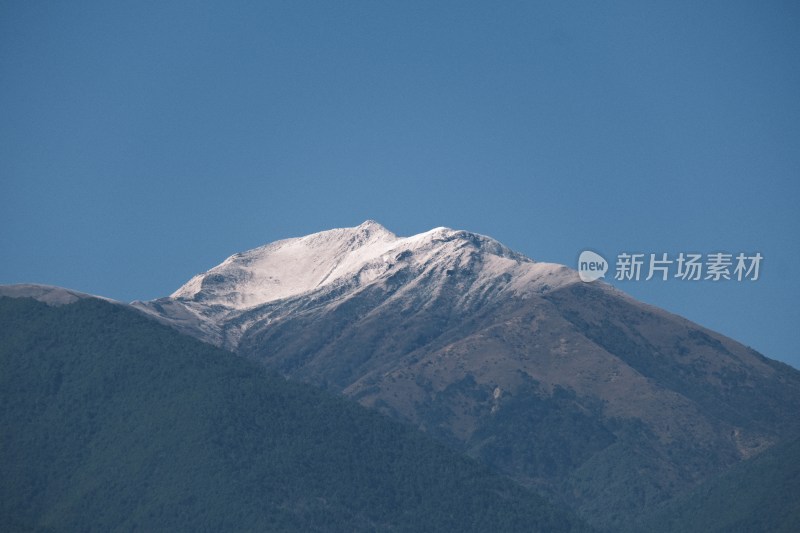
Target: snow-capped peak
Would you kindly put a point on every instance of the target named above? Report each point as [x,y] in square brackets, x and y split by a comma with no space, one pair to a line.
[371,226]
[292,267]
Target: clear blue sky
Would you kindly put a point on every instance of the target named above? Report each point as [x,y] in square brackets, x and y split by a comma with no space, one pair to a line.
[143,142]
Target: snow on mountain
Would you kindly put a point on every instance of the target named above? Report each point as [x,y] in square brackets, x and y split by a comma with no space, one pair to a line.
[325,268]
[289,267]
[364,254]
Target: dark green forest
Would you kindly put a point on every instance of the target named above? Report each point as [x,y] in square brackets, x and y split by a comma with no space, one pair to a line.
[762,494]
[112,422]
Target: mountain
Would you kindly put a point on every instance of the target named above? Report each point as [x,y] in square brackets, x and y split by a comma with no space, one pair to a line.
[289,276]
[110,421]
[603,403]
[761,494]
[47,293]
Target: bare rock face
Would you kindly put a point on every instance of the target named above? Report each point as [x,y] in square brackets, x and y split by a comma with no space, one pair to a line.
[607,404]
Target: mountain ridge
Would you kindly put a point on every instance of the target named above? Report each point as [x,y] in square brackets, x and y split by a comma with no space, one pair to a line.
[49,294]
[323,258]
[328,265]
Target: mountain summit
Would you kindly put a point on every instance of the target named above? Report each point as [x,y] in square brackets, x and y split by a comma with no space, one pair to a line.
[352,257]
[290,267]
[332,265]
[606,404]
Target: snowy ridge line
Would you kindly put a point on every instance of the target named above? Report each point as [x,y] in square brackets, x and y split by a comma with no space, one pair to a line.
[292,267]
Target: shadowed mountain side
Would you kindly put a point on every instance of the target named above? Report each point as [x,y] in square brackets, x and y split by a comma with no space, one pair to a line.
[110,421]
[758,495]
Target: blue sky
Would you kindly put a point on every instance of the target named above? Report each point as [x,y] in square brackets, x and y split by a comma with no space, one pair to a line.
[143,142]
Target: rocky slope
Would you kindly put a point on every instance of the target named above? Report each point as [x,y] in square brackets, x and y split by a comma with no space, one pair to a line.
[607,404]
